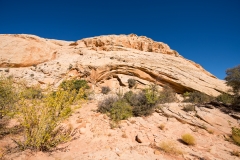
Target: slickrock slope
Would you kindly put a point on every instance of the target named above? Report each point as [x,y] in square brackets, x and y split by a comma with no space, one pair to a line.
[26,50]
[104,60]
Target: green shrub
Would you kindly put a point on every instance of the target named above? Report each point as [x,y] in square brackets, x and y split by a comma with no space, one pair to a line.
[40,123]
[186,94]
[151,95]
[236,135]
[8,96]
[143,110]
[135,99]
[59,101]
[198,97]
[106,105]
[188,139]
[167,95]
[105,90]
[131,82]
[40,119]
[225,98]
[120,110]
[141,102]
[77,87]
[189,108]
[74,85]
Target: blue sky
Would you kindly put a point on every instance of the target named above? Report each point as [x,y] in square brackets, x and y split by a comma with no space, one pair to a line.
[205,31]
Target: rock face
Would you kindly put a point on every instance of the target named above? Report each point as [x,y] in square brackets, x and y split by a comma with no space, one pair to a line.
[25,50]
[113,42]
[104,61]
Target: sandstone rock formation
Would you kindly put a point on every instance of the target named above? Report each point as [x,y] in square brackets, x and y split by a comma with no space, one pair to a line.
[26,50]
[104,60]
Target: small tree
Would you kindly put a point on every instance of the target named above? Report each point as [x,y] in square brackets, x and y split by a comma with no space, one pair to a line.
[233,79]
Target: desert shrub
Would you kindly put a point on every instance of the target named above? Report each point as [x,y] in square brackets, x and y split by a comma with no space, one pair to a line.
[188,139]
[106,105]
[167,95]
[225,98]
[236,135]
[60,102]
[135,99]
[77,87]
[186,94]
[198,97]
[8,95]
[189,108]
[143,103]
[131,82]
[169,147]
[151,95]
[74,85]
[40,119]
[32,92]
[105,90]
[143,110]
[120,110]
[40,123]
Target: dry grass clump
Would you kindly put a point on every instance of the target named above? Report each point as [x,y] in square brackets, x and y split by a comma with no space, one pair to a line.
[170,147]
[210,131]
[161,126]
[124,135]
[188,139]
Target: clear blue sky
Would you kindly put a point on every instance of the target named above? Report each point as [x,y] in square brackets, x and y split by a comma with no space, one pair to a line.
[205,31]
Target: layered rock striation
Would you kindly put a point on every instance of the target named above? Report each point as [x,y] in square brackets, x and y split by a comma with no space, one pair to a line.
[104,60]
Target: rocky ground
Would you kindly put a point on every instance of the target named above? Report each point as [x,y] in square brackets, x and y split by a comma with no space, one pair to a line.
[139,137]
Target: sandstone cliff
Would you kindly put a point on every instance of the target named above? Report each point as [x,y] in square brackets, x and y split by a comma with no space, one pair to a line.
[104,60]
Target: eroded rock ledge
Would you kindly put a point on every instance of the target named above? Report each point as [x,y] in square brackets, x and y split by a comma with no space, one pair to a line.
[113,42]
